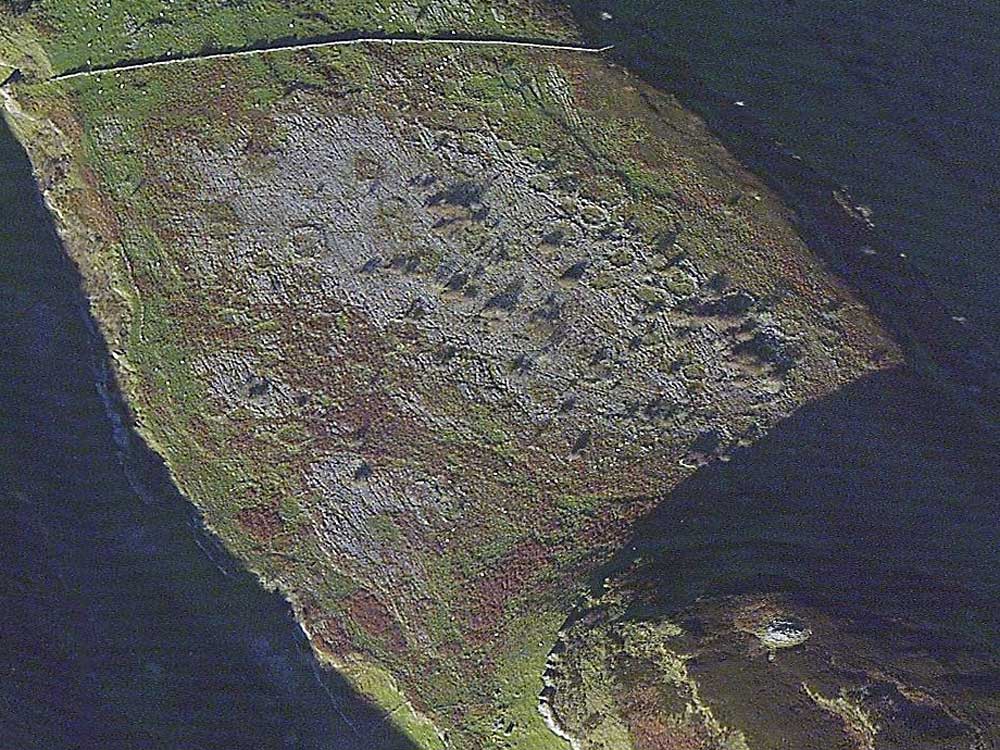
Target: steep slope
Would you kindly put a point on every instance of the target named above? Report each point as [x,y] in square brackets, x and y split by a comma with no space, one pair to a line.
[124,624]
[831,586]
[423,330]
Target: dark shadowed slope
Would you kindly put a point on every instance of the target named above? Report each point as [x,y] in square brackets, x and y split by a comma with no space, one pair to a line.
[897,103]
[122,623]
[881,498]
[831,586]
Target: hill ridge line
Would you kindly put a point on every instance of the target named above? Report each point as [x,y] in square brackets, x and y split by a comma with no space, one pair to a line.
[340,41]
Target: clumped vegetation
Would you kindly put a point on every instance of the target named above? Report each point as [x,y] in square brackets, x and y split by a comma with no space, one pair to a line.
[335,284]
[16,7]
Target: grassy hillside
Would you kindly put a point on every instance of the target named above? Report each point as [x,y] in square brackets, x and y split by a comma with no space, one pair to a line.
[98,33]
[421,330]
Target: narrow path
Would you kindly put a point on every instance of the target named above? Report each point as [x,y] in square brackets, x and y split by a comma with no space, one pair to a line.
[338,42]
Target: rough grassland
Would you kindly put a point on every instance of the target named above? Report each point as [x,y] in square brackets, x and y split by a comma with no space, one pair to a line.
[761,672]
[92,33]
[423,330]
